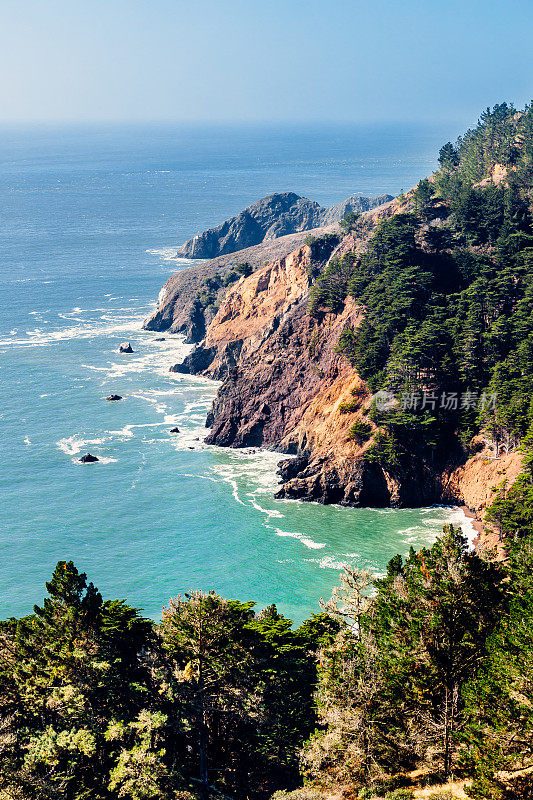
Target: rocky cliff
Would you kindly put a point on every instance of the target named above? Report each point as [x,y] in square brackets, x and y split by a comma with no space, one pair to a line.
[285,386]
[187,302]
[270,218]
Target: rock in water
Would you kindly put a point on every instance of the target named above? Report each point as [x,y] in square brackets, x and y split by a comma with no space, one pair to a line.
[88,458]
[114,397]
[160,339]
[125,347]
[174,430]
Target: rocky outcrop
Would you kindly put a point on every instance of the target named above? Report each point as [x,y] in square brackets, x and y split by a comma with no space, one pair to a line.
[125,347]
[267,219]
[270,218]
[88,458]
[354,204]
[181,306]
[112,398]
[188,301]
[284,386]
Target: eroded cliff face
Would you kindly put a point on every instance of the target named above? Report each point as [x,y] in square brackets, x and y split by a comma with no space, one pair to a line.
[285,387]
[181,306]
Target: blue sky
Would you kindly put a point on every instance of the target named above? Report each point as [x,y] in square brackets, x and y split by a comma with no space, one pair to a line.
[349,60]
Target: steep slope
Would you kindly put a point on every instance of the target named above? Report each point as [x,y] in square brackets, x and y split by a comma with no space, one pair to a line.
[428,296]
[187,301]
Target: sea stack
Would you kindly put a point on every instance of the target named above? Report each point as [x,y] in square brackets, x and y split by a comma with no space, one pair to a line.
[125,347]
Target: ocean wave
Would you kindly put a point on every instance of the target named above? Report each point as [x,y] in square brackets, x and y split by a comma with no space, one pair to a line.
[327,562]
[171,254]
[312,545]
[73,445]
[88,330]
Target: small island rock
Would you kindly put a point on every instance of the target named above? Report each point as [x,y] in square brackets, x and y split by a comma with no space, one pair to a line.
[113,397]
[174,430]
[88,458]
[125,347]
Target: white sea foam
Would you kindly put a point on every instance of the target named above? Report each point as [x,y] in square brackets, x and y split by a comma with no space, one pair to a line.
[171,254]
[73,445]
[138,474]
[303,539]
[101,460]
[329,562]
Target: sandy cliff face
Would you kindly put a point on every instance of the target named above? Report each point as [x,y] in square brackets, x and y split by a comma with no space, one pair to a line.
[252,305]
[180,308]
[284,386]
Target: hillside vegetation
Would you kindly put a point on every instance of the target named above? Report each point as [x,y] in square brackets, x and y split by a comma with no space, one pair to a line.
[447,288]
[420,678]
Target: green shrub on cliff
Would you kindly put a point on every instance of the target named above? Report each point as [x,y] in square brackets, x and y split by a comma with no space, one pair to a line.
[360,431]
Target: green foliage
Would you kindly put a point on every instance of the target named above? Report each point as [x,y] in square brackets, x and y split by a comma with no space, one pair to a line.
[97,702]
[349,221]
[330,290]
[448,156]
[230,277]
[349,406]
[360,431]
[385,451]
[321,249]
[441,796]
[448,307]
[244,269]
[422,196]
[390,693]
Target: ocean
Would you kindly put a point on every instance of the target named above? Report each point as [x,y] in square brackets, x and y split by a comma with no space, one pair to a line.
[89,219]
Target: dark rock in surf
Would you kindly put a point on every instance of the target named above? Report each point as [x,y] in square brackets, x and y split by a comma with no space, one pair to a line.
[114,397]
[88,458]
[125,347]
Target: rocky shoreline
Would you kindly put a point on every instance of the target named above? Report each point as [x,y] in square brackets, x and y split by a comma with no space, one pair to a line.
[284,386]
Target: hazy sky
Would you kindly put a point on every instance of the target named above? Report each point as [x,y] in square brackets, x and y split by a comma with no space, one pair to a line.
[362,60]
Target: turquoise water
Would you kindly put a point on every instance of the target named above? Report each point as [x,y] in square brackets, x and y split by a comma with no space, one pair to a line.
[88,217]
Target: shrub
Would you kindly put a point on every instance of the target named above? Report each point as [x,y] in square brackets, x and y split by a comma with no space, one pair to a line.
[367,793]
[400,794]
[244,269]
[360,392]
[349,407]
[360,431]
[230,277]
